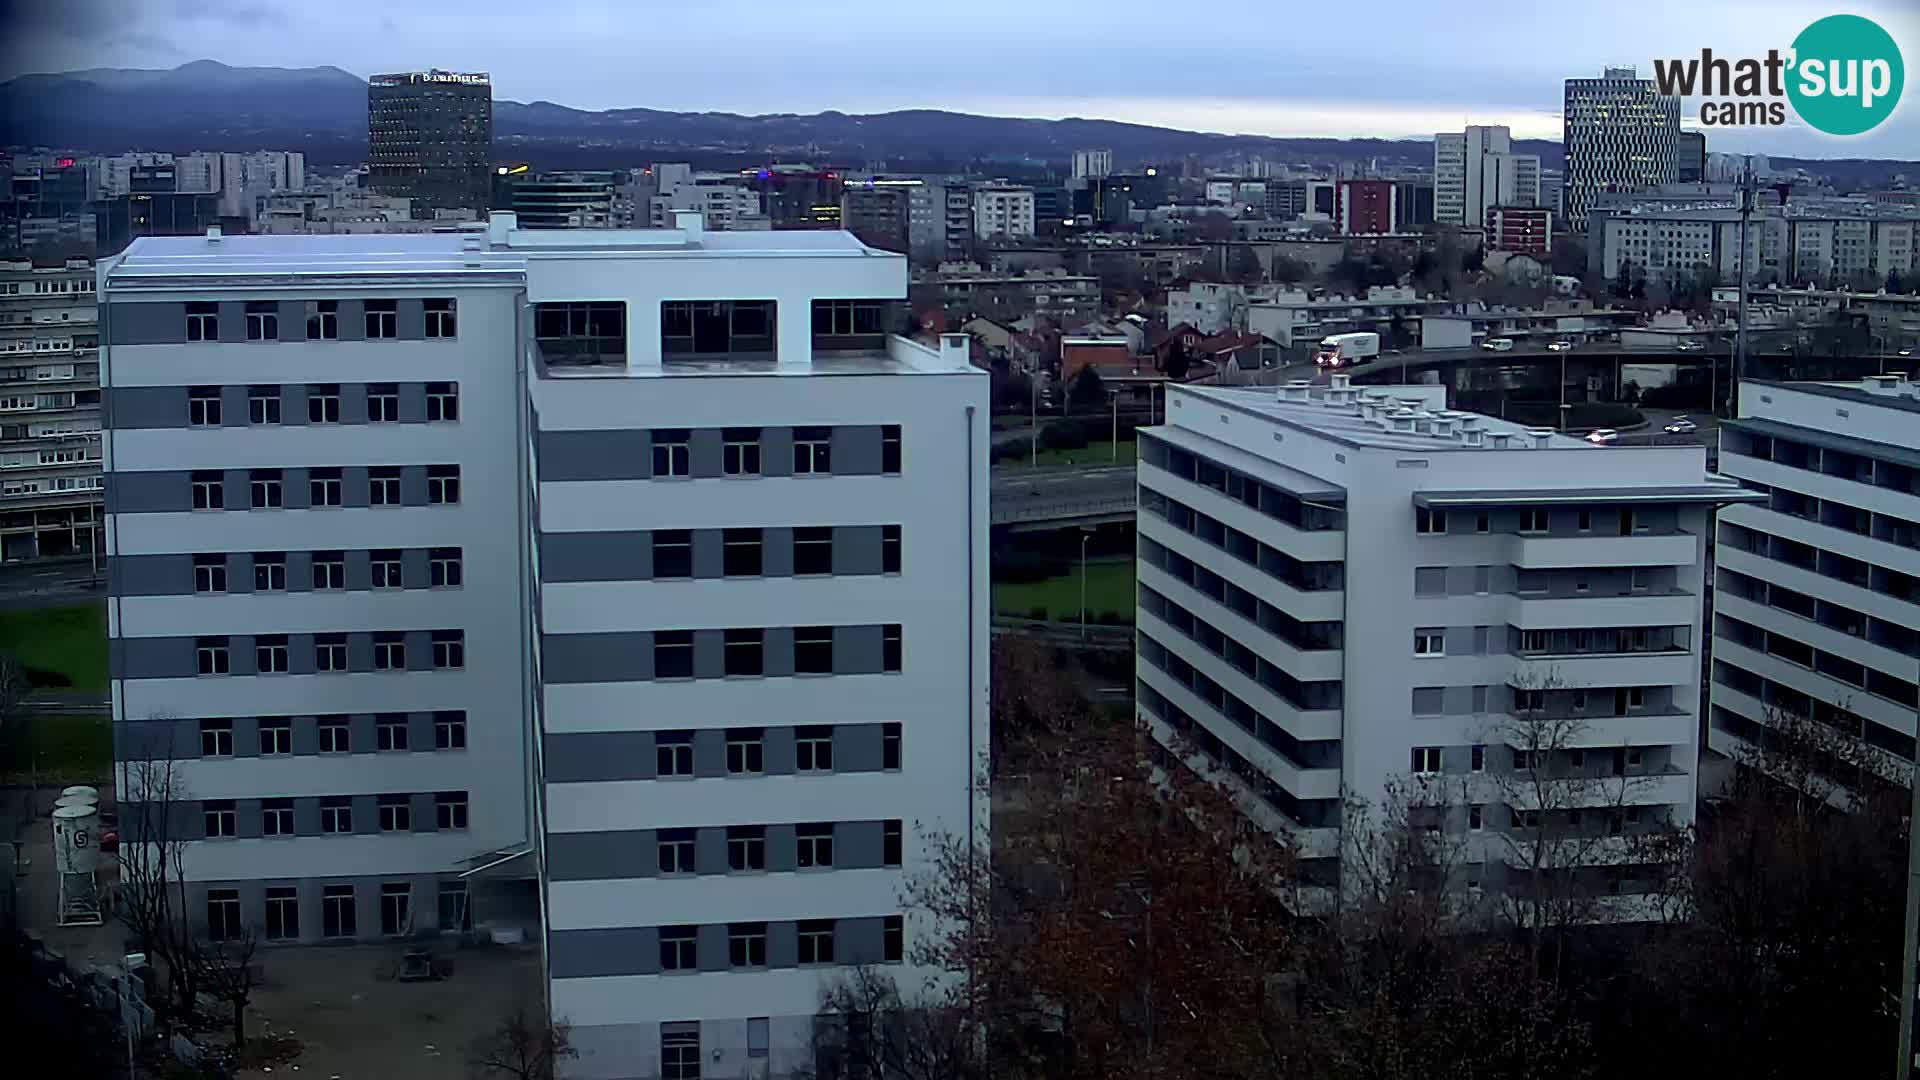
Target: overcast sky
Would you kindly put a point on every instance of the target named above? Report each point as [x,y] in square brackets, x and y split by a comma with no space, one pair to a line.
[1377,67]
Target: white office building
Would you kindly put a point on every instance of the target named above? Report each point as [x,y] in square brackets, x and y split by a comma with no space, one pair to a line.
[49,410]
[1621,134]
[1477,169]
[1340,590]
[1092,164]
[1002,212]
[628,588]
[1817,589]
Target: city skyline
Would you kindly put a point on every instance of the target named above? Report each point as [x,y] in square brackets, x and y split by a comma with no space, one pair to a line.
[1294,84]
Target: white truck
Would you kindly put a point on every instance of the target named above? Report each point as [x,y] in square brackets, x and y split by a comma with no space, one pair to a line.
[1340,350]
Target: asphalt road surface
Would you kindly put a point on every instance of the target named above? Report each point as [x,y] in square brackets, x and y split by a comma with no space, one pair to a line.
[56,584]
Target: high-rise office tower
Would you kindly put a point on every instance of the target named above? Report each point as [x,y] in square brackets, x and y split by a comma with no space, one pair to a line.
[1620,134]
[1477,169]
[628,587]
[1092,164]
[430,138]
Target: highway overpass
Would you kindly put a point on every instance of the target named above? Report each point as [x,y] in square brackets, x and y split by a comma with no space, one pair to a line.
[1054,498]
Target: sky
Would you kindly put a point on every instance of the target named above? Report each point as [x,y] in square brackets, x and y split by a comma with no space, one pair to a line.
[1391,68]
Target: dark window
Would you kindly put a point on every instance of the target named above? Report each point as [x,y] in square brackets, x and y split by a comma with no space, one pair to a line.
[383,403]
[455,912]
[396,908]
[263,320]
[741,552]
[323,403]
[746,847]
[813,550]
[816,941]
[383,319]
[325,487]
[678,948]
[849,318]
[746,652]
[264,489]
[216,738]
[276,735]
[329,570]
[209,491]
[890,746]
[672,452]
[747,945]
[440,318]
[893,939]
[675,851]
[283,911]
[223,914]
[203,322]
[323,320]
[383,485]
[336,912]
[740,452]
[443,484]
[443,568]
[336,814]
[396,813]
[890,448]
[892,840]
[812,450]
[270,654]
[580,333]
[746,748]
[815,845]
[336,737]
[210,573]
[672,553]
[673,654]
[443,402]
[813,650]
[716,327]
[891,647]
[384,565]
[680,1052]
[450,810]
[449,649]
[390,731]
[210,655]
[889,549]
[221,818]
[203,406]
[450,730]
[389,651]
[673,753]
[269,571]
[813,749]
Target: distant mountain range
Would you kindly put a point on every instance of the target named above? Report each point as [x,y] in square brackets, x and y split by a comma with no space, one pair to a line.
[206,105]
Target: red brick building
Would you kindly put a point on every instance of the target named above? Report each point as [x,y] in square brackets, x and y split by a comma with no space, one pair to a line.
[1364,207]
[1525,229]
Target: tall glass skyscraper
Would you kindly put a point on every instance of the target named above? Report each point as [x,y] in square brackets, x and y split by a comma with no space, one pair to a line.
[430,138]
[1621,134]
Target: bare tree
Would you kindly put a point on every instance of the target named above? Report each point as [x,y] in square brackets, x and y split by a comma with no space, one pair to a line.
[226,971]
[865,1030]
[523,1046]
[155,817]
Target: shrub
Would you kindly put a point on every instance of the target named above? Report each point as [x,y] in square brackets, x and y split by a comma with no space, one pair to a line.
[1037,614]
[1063,435]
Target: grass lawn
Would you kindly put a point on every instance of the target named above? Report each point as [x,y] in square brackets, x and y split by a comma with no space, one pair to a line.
[1095,453]
[69,640]
[66,749]
[1109,589]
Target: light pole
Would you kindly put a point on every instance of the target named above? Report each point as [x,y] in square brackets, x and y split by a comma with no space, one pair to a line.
[1115,443]
[1033,418]
[1086,534]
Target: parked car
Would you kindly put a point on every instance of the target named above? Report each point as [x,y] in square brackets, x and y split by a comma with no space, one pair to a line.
[1498,344]
[1906,352]
[1680,425]
[1689,346]
[1561,345]
[1605,436]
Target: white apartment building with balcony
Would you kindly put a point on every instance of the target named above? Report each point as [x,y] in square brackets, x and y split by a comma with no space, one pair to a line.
[1817,593]
[1340,590]
[49,410]
[1002,212]
[625,586]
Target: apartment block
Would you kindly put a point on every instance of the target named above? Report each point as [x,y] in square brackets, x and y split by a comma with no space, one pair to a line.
[49,410]
[1817,590]
[1000,211]
[1343,590]
[625,587]
[1476,169]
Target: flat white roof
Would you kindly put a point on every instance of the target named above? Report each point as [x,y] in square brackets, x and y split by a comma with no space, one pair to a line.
[1344,425]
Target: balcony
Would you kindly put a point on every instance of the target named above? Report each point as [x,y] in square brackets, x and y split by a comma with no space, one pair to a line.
[1637,609]
[1574,552]
[1678,668]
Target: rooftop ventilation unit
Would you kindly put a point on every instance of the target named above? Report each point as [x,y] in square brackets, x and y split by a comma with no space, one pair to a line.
[1474,436]
[1500,439]
[1542,437]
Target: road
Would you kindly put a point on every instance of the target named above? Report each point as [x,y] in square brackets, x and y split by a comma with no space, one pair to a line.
[56,584]
[1033,495]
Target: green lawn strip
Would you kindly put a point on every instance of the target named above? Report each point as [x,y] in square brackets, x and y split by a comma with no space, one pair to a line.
[1092,456]
[1109,589]
[59,749]
[68,640]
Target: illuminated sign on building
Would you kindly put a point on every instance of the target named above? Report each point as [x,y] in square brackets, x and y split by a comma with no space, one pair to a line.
[477,78]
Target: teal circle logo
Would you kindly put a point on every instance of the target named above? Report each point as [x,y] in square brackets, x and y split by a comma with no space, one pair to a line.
[1846,75]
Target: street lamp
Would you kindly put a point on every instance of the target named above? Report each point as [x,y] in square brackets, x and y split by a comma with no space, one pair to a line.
[1086,534]
[1115,437]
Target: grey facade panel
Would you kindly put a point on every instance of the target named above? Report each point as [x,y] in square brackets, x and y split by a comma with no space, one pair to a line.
[710,752]
[240,571]
[150,492]
[708,553]
[293,320]
[150,407]
[157,658]
[413,403]
[293,403]
[856,451]
[233,402]
[856,650]
[419,650]
[246,736]
[413,568]
[857,845]
[776,552]
[778,646]
[420,731]
[709,654]
[306,735]
[413,485]
[710,850]
[782,855]
[356,490]
[593,756]
[247,812]
[359,649]
[584,954]
[295,492]
[856,748]
[233,321]
[412,319]
[306,816]
[595,556]
[703,453]
[783,945]
[366,813]
[859,941]
[425,817]
[595,455]
[147,324]
[595,856]
[777,751]
[353,403]
[150,575]
[360,737]
[711,947]
[776,451]
[856,549]
[300,654]
[353,320]
[577,658]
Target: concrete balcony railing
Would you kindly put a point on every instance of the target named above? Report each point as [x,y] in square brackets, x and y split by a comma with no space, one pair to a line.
[1575,552]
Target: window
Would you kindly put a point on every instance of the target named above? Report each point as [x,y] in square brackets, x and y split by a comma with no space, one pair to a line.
[383,319]
[1578,701]
[329,570]
[746,749]
[223,914]
[1535,641]
[1634,757]
[812,450]
[740,451]
[747,945]
[816,941]
[440,318]
[276,817]
[324,487]
[672,452]
[323,403]
[270,654]
[893,939]
[203,406]
[889,549]
[1585,522]
[746,847]
[679,1052]
[216,738]
[746,652]
[1475,818]
[892,842]
[1577,758]
[890,746]
[336,911]
[673,753]
[1429,522]
[1640,579]
[741,552]
[269,571]
[813,650]
[323,320]
[389,651]
[449,650]
[208,491]
[1526,819]
[263,320]
[220,817]
[1533,521]
[1429,643]
[813,749]
[390,731]
[443,484]
[383,403]
[678,951]
[210,655]
[1479,758]
[450,810]
[396,813]
[1426,759]
[396,908]
[848,318]
[383,485]
[443,402]
[815,845]
[672,553]
[1482,522]
[813,550]
[676,851]
[264,490]
[203,322]
[456,914]
[1628,524]
[890,448]
[1636,697]
[384,566]
[1529,700]
[336,737]
[450,730]
[209,573]
[276,735]
[283,913]
[1528,760]
[443,568]
[673,654]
